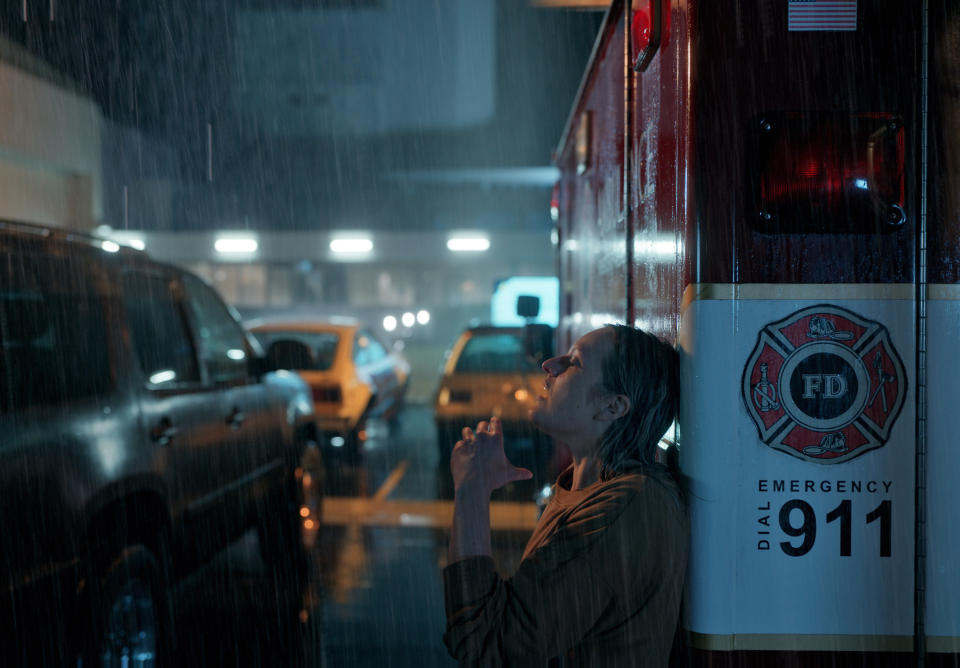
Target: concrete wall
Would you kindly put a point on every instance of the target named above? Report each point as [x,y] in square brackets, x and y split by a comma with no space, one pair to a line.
[50,156]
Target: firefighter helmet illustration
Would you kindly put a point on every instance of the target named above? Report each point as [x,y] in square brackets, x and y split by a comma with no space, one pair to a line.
[824,384]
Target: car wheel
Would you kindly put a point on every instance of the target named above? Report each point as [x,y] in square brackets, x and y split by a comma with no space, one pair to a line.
[280,529]
[310,481]
[393,417]
[353,445]
[131,621]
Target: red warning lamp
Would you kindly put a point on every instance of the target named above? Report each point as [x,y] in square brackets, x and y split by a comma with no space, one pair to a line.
[826,172]
[649,30]
[555,202]
[640,27]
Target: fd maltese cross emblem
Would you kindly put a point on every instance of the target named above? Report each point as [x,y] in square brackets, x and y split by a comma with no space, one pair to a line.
[824,384]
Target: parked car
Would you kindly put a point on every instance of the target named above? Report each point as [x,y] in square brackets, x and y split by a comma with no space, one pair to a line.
[141,431]
[352,374]
[490,372]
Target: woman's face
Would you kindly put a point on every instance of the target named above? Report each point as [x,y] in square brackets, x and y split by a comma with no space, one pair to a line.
[573,392]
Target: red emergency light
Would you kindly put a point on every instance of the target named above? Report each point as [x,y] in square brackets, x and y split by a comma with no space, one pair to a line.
[649,31]
[826,172]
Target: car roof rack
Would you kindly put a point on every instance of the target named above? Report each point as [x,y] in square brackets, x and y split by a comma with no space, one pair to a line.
[59,234]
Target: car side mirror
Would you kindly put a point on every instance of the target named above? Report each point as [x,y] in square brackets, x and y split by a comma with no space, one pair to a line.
[289,354]
[538,342]
[528,306]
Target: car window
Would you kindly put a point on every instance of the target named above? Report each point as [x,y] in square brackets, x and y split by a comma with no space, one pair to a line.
[375,349]
[220,337]
[53,340]
[361,349]
[323,345]
[366,349]
[158,326]
[496,353]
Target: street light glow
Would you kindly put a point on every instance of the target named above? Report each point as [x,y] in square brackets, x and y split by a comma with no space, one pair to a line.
[468,244]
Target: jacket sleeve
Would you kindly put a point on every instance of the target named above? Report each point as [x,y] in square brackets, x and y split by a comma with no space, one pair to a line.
[555,598]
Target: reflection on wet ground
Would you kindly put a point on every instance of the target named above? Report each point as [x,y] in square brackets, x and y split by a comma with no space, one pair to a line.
[373,594]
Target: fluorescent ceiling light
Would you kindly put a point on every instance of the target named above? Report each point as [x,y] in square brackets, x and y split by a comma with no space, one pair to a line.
[354,245]
[467,244]
[236,245]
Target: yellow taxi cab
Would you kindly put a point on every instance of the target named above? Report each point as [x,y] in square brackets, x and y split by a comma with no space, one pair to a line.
[352,375]
[487,373]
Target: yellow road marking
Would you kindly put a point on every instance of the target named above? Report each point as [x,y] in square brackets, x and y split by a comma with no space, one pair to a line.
[378,511]
[392,481]
[504,515]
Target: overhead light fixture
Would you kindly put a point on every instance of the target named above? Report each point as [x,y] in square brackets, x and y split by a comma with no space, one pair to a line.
[423,316]
[354,245]
[110,246]
[236,245]
[389,323]
[408,319]
[468,244]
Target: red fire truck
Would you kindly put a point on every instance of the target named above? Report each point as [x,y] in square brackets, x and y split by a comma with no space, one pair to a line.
[774,185]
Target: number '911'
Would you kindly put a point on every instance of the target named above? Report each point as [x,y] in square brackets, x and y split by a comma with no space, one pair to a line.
[807,530]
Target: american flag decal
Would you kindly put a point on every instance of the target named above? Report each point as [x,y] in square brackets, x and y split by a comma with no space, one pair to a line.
[821,15]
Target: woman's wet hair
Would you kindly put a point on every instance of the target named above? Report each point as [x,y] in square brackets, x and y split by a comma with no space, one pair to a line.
[645,370]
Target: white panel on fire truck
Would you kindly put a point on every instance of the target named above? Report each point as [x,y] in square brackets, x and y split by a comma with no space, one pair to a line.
[802,506]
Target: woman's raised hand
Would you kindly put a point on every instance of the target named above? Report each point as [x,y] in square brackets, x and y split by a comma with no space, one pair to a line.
[479,461]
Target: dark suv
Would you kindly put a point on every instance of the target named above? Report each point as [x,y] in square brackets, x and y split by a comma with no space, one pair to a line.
[141,430]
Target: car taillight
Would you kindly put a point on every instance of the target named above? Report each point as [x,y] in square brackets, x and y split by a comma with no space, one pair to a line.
[461,396]
[326,394]
[826,172]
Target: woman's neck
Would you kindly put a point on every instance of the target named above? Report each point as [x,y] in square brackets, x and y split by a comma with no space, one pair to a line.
[586,471]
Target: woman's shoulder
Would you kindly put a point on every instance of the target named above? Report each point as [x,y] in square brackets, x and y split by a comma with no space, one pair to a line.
[649,486]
